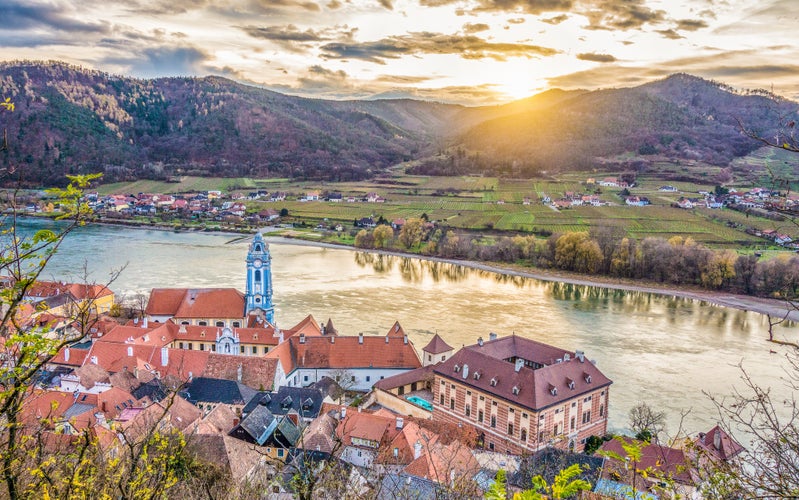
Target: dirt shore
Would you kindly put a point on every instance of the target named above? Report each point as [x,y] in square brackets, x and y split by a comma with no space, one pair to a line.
[772,307]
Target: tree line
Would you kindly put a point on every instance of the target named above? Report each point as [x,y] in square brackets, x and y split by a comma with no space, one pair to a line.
[602,251]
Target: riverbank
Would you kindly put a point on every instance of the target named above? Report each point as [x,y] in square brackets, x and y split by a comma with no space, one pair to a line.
[770,307]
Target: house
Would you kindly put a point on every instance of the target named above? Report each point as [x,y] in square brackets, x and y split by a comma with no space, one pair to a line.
[526,200]
[356,362]
[62,297]
[335,197]
[637,201]
[716,444]
[206,393]
[306,402]
[436,351]
[609,182]
[407,393]
[521,396]
[312,196]
[366,222]
[276,434]
[685,203]
[667,189]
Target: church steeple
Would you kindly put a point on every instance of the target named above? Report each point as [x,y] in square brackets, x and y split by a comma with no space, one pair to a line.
[259,279]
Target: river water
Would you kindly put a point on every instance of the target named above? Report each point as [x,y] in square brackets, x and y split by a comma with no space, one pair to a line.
[660,349]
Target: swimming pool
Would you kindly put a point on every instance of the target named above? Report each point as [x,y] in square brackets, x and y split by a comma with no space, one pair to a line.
[420,402]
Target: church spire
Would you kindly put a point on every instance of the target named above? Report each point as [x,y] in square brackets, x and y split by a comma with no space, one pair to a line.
[259,279]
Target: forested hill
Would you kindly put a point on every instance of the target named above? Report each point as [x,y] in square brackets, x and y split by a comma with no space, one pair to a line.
[681,118]
[71,120]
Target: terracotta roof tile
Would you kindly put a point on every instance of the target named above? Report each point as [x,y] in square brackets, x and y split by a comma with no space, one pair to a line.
[719,444]
[196,303]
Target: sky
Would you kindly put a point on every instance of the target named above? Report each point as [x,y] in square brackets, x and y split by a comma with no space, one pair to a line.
[473,52]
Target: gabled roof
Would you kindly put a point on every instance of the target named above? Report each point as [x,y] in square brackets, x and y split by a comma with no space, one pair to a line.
[670,462]
[719,444]
[259,424]
[196,303]
[405,378]
[214,390]
[350,352]
[308,326]
[490,368]
[396,330]
[437,346]
[306,401]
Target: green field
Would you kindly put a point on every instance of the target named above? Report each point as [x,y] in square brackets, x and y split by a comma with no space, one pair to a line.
[479,203]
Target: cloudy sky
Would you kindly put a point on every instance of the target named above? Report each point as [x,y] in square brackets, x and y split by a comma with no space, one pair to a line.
[469,51]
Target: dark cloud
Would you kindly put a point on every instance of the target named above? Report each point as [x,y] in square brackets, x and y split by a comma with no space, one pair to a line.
[20,16]
[334,4]
[165,7]
[670,34]
[288,33]
[467,46]
[386,4]
[527,6]
[690,24]
[556,20]
[471,28]
[603,58]
[622,15]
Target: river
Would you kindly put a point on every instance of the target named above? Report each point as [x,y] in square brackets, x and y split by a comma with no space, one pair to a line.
[660,349]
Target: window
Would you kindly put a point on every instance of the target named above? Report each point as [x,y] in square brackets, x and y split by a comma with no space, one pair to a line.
[441,399]
[480,416]
[213,347]
[257,275]
[482,398]
[202,346]
[491,446]
[280,452]
[180,345]
[266,349]
[573,425]
[401,390]
[236,324]
[202,323]
[541,436]
[524,415]
[242,349]
[429,357]
[510,429]
[191,346]
[368,378]
[352,379]
[305,378]
[468,410]
[451,403]
[493,420]
[601,410]
[586,416]
[220,324]
[185,323]
[523,435]
[586,400]
[468,393]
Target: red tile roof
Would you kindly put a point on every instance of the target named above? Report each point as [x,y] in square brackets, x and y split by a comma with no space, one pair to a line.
[345,352]
[196,303]
[669,462]
[554,382]
[437,346]
[719,444]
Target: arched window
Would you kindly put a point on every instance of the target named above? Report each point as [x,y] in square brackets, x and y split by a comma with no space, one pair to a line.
[257,275]
[257,248]
[524,435]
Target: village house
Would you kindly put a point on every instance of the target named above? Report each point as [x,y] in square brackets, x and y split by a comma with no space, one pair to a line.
[521,395]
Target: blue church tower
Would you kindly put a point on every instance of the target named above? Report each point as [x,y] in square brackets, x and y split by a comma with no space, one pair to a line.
[259,279]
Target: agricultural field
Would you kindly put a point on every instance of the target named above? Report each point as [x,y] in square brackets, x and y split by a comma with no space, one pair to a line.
[487,203]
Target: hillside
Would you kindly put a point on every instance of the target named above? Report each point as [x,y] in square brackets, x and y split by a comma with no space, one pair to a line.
[72,120]
[681,119]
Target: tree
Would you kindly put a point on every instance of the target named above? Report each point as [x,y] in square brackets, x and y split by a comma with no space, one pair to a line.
[646,421]
[411,233]
[382,235]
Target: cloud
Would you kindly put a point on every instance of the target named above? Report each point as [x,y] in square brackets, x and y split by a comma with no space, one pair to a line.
[386,4]
[466,46]
[288,33]
[21,16]
[555,20]
[670,34]
[164,60]
[622,15]
[527,6]
[603,58]
[517,20]
[402,79]
[690,24]
[471,28]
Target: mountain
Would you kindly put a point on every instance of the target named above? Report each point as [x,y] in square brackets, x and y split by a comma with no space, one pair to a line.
[72,120]
[681,118]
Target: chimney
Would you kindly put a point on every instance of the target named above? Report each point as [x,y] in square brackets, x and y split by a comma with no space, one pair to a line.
[66,354]
[343,413]
[519,364]
[404,339]
[360,338]
[492,336]
[480,341]
[235,422]
[400,422]
[182,329]
[386,339]
[93,360]
[302,338]
[717,439]
[238,373]
[130,351]
[144,322]
[465,371]
[280,337]
[136,320]
[417,450]
[164,356]
[332,339]
[580,355]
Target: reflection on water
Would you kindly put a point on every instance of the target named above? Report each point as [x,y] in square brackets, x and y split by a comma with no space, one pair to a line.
[661,349]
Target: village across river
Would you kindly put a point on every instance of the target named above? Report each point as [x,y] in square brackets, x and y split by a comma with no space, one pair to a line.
[663,350]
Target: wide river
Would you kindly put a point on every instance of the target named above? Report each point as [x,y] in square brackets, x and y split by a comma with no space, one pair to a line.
[663,350]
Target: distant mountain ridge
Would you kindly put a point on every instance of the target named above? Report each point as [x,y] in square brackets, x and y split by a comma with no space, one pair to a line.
[70,120]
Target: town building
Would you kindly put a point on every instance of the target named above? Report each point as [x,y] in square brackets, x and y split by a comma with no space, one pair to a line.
[521,395]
